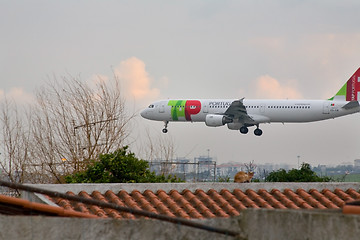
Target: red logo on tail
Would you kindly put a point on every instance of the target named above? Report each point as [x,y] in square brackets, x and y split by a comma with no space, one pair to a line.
[353,87]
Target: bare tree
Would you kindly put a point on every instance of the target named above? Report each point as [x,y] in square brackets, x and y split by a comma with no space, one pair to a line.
[160,148]
[14,141]
[72,122]
[251,166]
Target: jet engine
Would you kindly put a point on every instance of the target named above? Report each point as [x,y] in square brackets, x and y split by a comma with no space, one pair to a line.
[214,120]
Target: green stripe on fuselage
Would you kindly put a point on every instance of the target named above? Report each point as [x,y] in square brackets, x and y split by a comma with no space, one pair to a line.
[177,109]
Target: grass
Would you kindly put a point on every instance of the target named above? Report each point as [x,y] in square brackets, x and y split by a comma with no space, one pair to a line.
[352,177]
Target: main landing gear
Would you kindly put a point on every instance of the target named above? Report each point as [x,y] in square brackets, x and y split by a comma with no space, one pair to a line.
[165,127]
[244,130]
[257,131]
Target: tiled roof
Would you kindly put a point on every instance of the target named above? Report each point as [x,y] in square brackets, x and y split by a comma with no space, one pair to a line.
[16,206]
[210,203]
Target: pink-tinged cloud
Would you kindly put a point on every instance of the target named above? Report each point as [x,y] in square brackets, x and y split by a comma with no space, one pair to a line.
[18,95]
[268,87]
[135,79]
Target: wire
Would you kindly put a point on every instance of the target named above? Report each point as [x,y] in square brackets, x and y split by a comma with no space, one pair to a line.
[144,213]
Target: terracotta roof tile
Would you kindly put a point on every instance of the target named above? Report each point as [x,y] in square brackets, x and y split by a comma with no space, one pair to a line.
[113,198]
[128,200]
[353,193]
[198,204]
[211,204]
[258,199]
[78,206]
[94,209]
[285,201]
[343,195]
[223,203]
[178,211]
[109,212]
[201,204]
[245,199]
[330,199]
[271,199]
[142,202]
[158,204]
[313,201]
[231,199]
[296,199]
[186,205]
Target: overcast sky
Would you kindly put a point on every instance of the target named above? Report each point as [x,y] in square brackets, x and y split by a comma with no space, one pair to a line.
[197,49]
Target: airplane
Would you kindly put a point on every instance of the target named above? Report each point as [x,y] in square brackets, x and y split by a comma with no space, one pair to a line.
[239,114]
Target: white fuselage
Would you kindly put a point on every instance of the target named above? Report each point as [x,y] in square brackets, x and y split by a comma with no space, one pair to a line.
[262,111]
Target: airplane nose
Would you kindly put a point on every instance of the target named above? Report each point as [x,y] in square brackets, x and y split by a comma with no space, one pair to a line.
[143,113]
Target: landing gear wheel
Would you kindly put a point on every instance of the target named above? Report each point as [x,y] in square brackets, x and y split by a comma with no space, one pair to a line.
[244,130]
[165,125]
[258,132]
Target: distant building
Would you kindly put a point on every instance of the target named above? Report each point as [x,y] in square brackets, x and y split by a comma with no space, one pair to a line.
[357,163]
[229,169]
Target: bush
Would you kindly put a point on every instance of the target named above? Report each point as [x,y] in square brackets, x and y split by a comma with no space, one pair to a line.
[120,166]
[304,174]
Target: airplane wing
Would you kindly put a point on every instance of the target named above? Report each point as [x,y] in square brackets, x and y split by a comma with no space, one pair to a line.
[237,110]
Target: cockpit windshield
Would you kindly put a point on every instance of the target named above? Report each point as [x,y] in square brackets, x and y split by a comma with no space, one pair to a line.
[151,106]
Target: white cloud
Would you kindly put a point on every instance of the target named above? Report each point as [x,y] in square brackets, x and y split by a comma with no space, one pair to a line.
[269,87]
[135,79]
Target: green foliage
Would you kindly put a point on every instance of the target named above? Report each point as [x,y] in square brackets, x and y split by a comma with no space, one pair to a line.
[120,166]
[223,179]
[304,174]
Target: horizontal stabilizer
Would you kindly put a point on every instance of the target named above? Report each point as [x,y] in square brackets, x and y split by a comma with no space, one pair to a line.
[352,104]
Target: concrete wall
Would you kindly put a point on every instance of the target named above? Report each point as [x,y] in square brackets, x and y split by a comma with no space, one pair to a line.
[299,224]
[251,224]
[40,227]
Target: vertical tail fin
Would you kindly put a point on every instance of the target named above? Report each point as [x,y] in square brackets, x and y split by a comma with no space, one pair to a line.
[351,89]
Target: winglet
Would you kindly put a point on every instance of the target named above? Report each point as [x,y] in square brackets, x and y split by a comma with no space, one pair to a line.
[350,91]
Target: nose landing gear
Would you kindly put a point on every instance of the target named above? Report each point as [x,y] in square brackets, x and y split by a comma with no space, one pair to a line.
[165,127]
